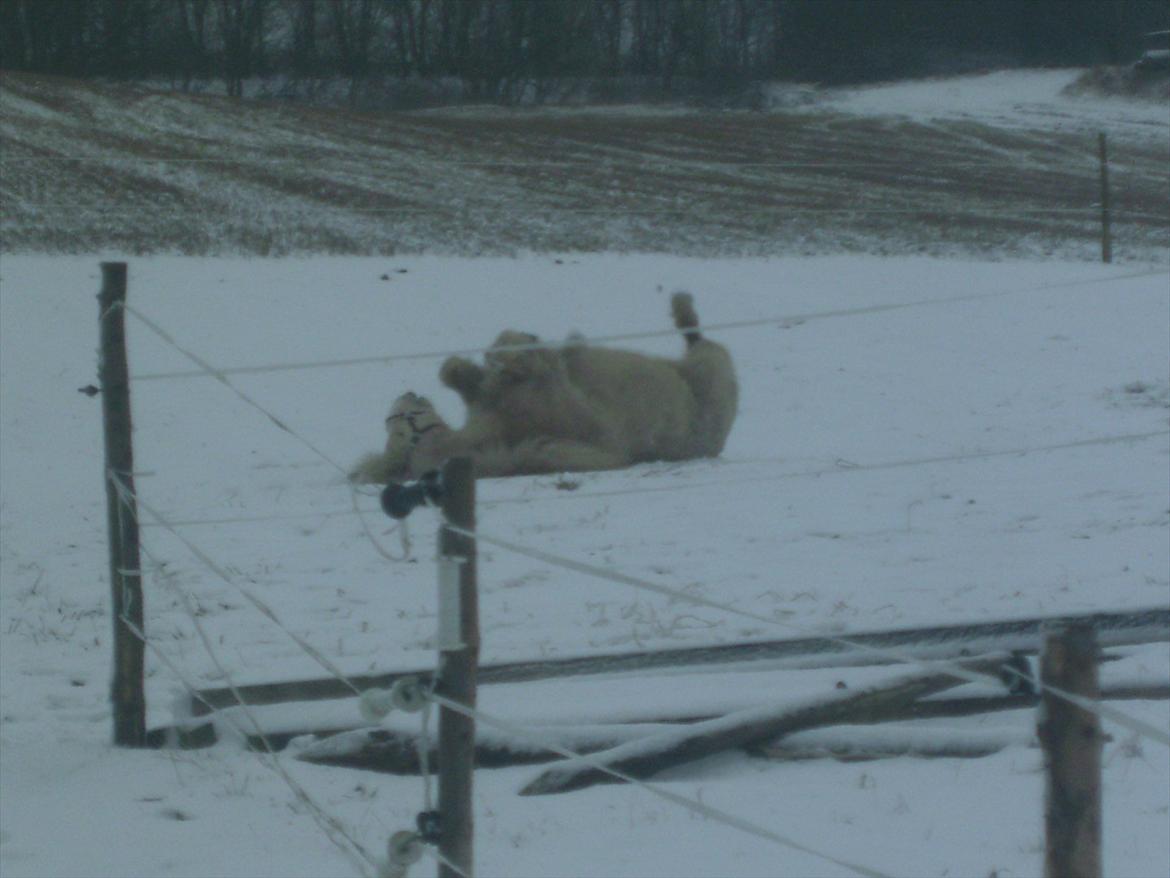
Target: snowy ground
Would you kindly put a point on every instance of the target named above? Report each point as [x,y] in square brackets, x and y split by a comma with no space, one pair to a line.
[998,448]
[998,455]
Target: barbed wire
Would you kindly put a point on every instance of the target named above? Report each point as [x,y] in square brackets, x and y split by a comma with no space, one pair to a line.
[781,320]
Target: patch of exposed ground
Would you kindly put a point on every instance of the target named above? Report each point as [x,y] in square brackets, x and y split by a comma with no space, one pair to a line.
[87,167]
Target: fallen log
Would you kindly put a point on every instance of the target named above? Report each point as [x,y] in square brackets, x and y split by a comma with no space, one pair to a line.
[853,744]
[396,751]
[647,757]
[189,737]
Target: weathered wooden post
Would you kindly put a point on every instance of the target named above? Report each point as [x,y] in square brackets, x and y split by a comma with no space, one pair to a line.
[1072,741]
[1106,232]
[126,691]
[458,664]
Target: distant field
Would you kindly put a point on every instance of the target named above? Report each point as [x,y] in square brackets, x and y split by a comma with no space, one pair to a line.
[87,167]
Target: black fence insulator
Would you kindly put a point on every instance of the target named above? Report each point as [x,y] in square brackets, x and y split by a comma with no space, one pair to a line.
[428,823]
[400,499]
[1016,673]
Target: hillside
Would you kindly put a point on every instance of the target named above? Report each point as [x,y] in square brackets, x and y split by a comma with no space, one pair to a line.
[1001,164]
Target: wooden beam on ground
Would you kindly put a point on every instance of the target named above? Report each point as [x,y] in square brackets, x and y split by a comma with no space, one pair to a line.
[851,744]
[645,758]
[394,751]
[936,642]
[190,737]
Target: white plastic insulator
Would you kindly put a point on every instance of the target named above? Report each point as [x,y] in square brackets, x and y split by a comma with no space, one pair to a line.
[375,704]
[407,695]
[404,848]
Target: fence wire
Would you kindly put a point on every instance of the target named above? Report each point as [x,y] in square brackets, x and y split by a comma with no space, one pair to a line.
[219,373]
[332,826]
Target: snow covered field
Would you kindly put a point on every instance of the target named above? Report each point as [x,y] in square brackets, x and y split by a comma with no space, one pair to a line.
[999,448]
[920,441]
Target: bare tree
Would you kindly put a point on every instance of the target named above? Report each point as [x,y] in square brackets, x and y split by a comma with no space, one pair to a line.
[355,23]
[304,58]
[241,27]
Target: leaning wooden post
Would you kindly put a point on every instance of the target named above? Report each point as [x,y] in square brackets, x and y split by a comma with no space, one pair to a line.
[1106,232]
[1072,741]
[126,691]
[458,663]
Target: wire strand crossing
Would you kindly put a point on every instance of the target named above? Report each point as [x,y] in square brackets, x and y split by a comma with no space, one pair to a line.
[690,804]
[1138,726]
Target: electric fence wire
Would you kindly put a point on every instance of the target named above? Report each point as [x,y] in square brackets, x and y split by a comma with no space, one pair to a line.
[219,373]
[1140,727]
[269,757]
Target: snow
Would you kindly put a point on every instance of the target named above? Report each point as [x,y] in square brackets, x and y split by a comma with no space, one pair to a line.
[1000,448]
[1009,98]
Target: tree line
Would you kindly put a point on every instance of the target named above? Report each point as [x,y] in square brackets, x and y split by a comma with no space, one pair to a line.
[709,43]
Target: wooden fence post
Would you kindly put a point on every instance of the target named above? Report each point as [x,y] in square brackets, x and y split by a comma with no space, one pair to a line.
[126,690]
[458,663]
[1106,232]
[1071,739]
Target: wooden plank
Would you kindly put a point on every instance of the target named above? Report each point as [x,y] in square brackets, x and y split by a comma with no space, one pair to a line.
[853,744]
[1151,625]
[190,737]
[645,758]
[396,751]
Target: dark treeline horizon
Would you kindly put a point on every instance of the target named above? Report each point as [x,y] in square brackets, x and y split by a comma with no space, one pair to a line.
[489,43]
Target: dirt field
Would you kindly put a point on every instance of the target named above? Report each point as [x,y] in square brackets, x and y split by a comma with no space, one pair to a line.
[87,167]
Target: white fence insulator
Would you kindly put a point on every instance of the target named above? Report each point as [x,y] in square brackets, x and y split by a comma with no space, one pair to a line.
[449,634]
[375,704]
[403,850]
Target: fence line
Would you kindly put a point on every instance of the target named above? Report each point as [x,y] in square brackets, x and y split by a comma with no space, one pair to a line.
[844,468]
[840,468]
[790,319]
[1137,726]
[329,667]
[331,824]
